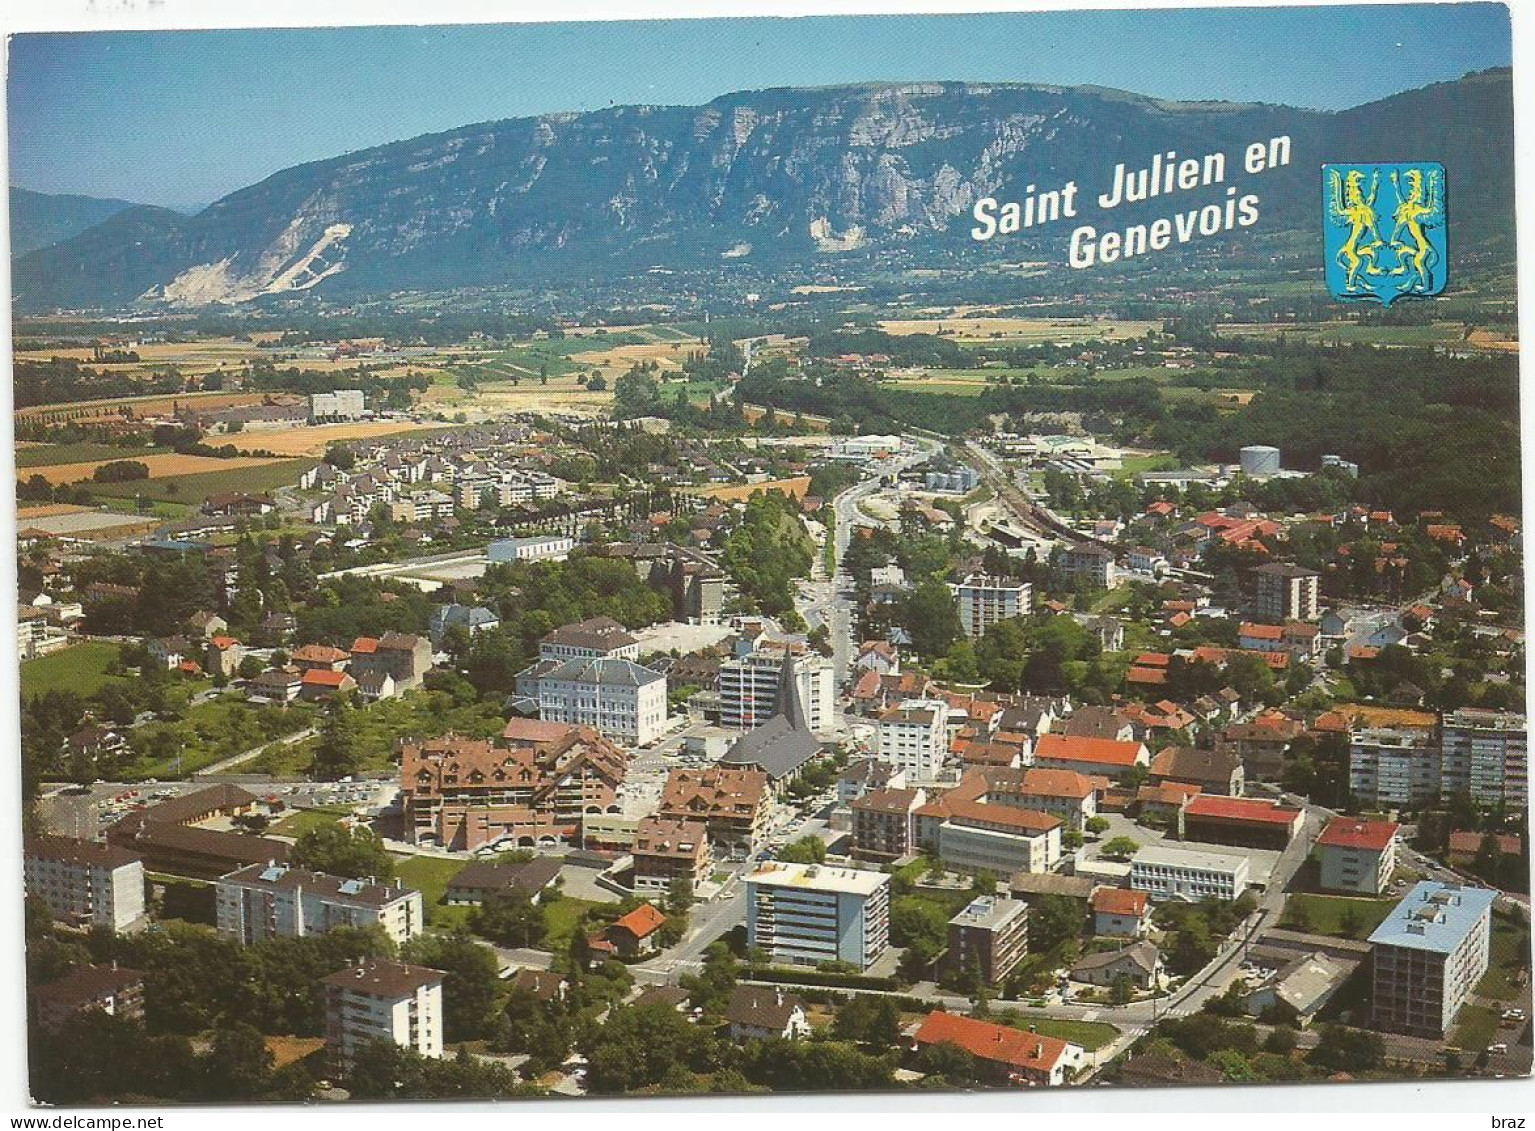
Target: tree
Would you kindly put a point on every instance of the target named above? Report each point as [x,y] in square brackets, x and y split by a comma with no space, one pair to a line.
[867,1019]
[510,918]
[471,984]
[355,853]
[679,895]
[338,753]
[1120,848]
[1122,991]
[809,849]
[1342,1049]
[238,1064]
[1096,825]
[949,1064]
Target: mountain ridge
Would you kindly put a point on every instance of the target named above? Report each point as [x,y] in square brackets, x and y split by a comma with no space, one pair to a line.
[785,173]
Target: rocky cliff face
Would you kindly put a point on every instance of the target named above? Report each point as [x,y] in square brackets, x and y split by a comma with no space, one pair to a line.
[756,175]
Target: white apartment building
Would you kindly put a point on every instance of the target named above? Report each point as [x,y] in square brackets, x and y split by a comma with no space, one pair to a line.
[1179,874]
[1393,766]
[85,883]
[984,600]
[914,737]
[1357,855]
[1429,954]
[618,698]
[1485,753]
[382,1000]
[805,914]
[749,688]
[538,548]
[266,901]
[1092,563]
[343,404]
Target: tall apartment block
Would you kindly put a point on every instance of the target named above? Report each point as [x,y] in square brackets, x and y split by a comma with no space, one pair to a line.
[1429,954]
[806,914]
[1286,592]
[984,600]
[749,688]
[85,883]
[1485,754]
[382,1000]
[914,737]
[1393,766]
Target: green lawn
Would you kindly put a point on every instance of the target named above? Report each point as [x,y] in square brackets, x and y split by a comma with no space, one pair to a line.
[81,668]
[1510,954]
[1091,1035]
[417,713]
[300,821]
[1475,1029]
[1325,913]
[430,876]
[211,732]
[562,917]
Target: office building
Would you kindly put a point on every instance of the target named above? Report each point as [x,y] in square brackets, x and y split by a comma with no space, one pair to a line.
[749,688]
[1187,876]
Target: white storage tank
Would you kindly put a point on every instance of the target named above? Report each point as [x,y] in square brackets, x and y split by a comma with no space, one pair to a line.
[1260,459]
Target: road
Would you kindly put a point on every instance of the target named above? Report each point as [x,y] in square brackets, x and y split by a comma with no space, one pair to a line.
[829,601]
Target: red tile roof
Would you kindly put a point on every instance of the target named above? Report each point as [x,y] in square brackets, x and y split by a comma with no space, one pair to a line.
[1103,751]
[998,1044]
[1350,832]
[324,677]
[1119,901]
[643,920]
[365,644]
[1241,809]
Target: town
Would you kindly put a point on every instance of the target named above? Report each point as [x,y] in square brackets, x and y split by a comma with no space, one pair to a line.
[707,730]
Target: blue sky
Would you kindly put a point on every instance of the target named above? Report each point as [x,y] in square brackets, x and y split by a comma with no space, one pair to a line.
[181,118]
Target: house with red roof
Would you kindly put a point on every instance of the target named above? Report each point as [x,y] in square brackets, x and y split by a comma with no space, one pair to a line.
[630,936]
[1011,1057]
[1090,756]
[322,683]
[1357,856]
[1120,912]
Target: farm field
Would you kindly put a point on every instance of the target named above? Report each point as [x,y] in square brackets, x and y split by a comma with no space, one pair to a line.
[1434,333]
[312,440]
[1025,331]
[44,455]
[81,668]
[162,466]
[233,475]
